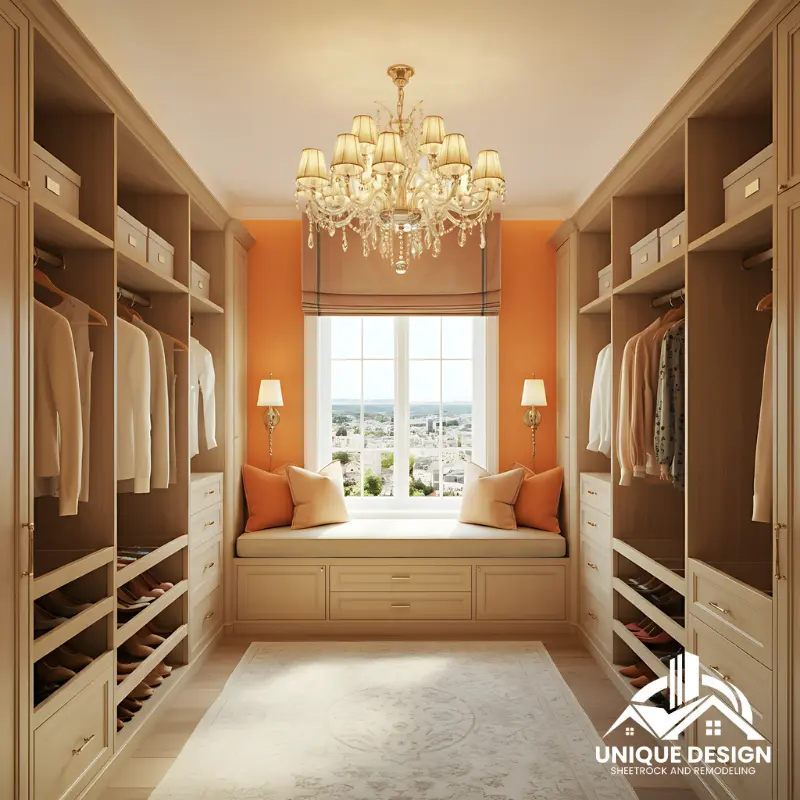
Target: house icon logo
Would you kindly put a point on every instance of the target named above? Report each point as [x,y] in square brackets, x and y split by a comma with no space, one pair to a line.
[687,703]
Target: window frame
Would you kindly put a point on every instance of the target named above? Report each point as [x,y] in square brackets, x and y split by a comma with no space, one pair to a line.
[318,416]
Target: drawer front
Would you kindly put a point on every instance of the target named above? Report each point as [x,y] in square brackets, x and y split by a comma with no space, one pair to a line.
[401,578]
[159,258]
[750,190]
[131,240]
[521,592]
[672,241]
[52,188]
[726,661]
[645,259]
[596,493]
[205,525]
[201,282]
[401,605]
[205,493]
[595,525]
[205,569]
[595,619]
[205,618]
[70,748]
[275,592]
[596,568]
[742,615]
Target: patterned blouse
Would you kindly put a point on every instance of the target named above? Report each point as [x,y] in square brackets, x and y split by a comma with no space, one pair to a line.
[670,424]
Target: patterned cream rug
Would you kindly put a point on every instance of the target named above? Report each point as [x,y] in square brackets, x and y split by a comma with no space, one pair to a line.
[389,721]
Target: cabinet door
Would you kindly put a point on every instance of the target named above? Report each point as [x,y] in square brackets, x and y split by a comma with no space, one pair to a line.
[13,92]
[788,80]
[14,469]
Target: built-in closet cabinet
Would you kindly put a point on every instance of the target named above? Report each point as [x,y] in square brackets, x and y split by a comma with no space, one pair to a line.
[788,74]
[14,70]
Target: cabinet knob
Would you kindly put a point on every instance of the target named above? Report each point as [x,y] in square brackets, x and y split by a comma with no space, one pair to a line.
[783,187]
[591,565]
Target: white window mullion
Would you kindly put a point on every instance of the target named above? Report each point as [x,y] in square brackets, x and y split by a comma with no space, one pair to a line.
[402,412]
[324,410]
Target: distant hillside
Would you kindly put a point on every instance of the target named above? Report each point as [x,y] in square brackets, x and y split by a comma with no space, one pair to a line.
[353,408]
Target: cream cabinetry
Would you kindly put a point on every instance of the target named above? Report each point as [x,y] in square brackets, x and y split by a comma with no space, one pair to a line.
[14,91]
[788,99]
[520,592]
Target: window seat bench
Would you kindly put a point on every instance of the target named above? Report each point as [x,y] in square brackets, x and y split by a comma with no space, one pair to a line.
[400,578]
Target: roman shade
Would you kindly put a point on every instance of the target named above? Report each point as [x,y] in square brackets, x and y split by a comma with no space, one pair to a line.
[461,281]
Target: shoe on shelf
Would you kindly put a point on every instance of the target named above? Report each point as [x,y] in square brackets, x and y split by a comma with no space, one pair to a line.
[43,620]
[120,724]
[131,704]
[164,670]
[127,602]
[135,648]
[142,692]
[646,630]
[149,639]
[153,582]
[139,588]
[643,582]
[125,714]
[659,638]
[153,679]
[638,626]
[57,603]
[641,681]
[52,673]
[667,600]
[154,627]
[72,659]
[633,671]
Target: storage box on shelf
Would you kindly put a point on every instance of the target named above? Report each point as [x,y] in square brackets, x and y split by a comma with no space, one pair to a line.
[131,235]
[747,185]
[160,254]
[604,282]
[645,253]
[671,237]
[201,281]
[53,182]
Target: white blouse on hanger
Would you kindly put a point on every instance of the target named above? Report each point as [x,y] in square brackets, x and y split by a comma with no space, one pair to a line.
[57,425]
[600,406]
[201,380]
[169,360]
[133,407]
[159,406]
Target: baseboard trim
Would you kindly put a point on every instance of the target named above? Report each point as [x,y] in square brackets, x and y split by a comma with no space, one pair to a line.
[396,630]
[101,781]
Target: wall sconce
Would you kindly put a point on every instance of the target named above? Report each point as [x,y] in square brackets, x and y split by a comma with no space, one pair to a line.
[533,396]
[269,395]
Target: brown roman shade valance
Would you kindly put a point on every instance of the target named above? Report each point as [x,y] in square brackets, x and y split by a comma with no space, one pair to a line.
[462,280]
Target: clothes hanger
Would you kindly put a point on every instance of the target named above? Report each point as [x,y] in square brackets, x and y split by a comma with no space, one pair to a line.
[179,345]
[41,279]
[765,304]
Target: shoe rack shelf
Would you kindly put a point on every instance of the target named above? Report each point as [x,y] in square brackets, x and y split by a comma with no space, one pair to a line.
[47,642]
[102,665]
[56,578]
[651,565]
[652,612]
[148,665]
[643,652]
[134,625]
[147,562]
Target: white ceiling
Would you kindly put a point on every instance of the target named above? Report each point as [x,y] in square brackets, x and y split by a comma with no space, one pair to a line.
[561,88]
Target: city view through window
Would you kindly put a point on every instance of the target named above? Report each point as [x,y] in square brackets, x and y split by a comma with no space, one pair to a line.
[402,404]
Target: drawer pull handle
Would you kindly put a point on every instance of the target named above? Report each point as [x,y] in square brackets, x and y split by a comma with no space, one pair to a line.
[590,564]
[208,616]
[209,523]
[676,240]
[209,492]
[86,740]
[645,258]
[719,608]
[752,187]
[200,285]
[209,565]
[52,186]
[592,524]
[401,577]
[593,615]
[718,672]
[590,491]
[401,605]
[132,240]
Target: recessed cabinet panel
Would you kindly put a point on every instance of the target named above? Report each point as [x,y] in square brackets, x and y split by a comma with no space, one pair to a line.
[13,92]
[789,99]
[520,592]
[281,592]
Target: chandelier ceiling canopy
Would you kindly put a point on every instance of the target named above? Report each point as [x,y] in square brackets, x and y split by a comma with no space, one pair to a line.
[401,185]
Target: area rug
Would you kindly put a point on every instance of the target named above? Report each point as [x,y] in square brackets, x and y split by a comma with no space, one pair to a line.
[393,721]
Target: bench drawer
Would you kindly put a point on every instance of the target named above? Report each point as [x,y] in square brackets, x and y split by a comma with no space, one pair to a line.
[70,748]
[205,525]
[401,578]
[280,592]
[596,492]
[205,569]
[741,614]
[401,605]
[521,592]
[206,491]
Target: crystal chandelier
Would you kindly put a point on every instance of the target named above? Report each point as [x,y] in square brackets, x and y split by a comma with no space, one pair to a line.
[401,186]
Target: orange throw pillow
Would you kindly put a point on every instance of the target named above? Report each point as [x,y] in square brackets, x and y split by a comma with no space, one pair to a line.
[269,501]
[538,498]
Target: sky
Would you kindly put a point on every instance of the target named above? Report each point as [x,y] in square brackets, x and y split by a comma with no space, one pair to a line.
[430,339]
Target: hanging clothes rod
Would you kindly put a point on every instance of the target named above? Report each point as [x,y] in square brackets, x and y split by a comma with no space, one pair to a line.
[40,255]
[757,259]
[133,297]
[666,299]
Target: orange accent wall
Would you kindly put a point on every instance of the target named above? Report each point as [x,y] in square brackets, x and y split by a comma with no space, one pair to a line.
[527,338]
[275,339]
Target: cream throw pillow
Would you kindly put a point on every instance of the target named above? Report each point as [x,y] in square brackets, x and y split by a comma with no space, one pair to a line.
[489,499]
[318,497]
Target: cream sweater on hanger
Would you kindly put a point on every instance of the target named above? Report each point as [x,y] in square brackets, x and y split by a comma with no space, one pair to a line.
[57,425]
[201,380]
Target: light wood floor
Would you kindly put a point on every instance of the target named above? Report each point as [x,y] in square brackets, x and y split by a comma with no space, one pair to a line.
[148,765]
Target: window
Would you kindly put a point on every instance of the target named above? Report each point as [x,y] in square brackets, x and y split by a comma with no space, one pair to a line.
[402,403]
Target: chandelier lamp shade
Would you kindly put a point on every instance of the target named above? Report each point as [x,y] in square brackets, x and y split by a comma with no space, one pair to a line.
[400,183]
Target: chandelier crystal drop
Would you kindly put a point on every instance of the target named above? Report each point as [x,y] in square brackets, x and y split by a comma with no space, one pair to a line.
[401,186]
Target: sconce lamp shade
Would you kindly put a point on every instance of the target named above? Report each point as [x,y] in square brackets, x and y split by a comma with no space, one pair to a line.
[533,393]
[270,393]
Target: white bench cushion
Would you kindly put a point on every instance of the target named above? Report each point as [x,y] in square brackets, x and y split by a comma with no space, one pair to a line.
[401,538]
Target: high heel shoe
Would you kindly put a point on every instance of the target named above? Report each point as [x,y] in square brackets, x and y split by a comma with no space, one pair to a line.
[660,638]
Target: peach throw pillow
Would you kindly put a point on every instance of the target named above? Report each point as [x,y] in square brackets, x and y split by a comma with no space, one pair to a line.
[318,497]
[489,499]
[269,501]
[537,503]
